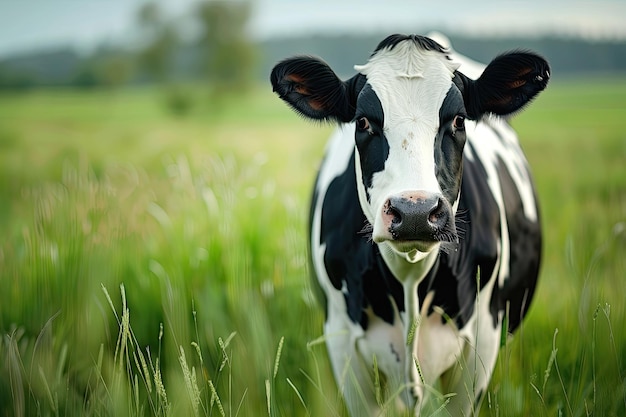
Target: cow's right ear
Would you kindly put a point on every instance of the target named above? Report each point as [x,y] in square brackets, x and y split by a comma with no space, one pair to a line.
[313,90]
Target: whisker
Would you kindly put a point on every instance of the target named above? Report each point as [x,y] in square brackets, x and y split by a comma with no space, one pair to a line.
[460,221]
[367,231]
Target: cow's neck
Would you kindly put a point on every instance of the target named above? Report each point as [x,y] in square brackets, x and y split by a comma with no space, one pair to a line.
[410,269]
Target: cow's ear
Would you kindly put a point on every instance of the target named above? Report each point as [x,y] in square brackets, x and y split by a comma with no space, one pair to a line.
[312,89]
[508,83]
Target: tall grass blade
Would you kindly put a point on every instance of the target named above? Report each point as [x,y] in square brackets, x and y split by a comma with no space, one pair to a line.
[14,365]
[278,353]
[51,400]
[215,397]
[558,372]
[377,386]
[190,382]
[268,397]
[546,373]
[607,313]
[293,387]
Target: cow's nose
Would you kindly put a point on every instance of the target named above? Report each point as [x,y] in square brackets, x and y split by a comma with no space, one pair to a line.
[417,216]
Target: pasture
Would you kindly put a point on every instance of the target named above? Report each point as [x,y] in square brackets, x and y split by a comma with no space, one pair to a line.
[156,265]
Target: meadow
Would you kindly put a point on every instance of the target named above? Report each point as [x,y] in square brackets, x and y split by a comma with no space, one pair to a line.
[155,265]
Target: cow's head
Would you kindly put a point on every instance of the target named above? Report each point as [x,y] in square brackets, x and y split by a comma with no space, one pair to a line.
[408,105]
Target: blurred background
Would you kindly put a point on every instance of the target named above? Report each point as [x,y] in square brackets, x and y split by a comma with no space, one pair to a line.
[154,200]
[123,43]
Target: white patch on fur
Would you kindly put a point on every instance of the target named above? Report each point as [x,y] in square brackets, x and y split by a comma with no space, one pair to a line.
[439,344]
[337,155]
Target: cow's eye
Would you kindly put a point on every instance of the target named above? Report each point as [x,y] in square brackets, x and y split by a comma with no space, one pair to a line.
[363,124]
[458,123]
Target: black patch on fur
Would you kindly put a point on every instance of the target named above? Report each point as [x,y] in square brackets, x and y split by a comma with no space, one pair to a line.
[372,145]
[525,244]
[455,278]
[449,145]
[423,42]
[315,285]
[351,259]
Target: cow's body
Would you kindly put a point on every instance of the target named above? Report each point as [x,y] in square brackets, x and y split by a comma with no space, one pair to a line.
[406,307]
[366,312]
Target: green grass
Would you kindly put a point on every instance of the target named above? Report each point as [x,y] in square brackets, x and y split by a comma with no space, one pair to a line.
[139,248]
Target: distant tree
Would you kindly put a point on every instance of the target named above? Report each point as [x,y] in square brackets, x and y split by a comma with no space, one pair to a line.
[15,80]
[86,76]
[115,69]
[160,39]
[229,55]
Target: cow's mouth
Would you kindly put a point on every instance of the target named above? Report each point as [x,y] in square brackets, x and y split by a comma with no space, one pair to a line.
[425,245]
[408,246]
[445,238]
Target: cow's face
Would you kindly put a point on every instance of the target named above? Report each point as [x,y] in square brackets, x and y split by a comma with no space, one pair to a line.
[409,105]
[409,136]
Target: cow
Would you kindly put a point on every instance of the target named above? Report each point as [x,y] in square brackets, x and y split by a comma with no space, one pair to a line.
[425,235]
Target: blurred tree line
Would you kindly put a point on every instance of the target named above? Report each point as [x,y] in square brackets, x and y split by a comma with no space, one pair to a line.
[210,45]
[219,53]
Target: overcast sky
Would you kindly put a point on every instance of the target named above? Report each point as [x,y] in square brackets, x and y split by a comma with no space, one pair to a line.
[34,24]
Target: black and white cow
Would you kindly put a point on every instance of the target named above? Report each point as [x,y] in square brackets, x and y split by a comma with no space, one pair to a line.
[425,234]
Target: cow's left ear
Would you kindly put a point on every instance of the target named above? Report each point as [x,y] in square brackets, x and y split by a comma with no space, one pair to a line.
[313,89]
[507,84]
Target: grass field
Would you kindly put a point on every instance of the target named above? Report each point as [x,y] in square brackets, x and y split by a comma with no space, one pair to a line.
[156,265]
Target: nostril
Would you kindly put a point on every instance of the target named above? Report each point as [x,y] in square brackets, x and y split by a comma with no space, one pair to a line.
[396,216]
[435,213]
[438,215]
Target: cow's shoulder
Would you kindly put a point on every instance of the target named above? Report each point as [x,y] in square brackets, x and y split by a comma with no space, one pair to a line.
[498,224]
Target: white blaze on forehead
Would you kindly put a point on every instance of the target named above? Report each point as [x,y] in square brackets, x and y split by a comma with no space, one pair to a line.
[409,80]
[411,84]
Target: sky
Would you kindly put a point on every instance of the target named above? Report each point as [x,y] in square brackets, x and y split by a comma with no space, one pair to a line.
[84,24]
